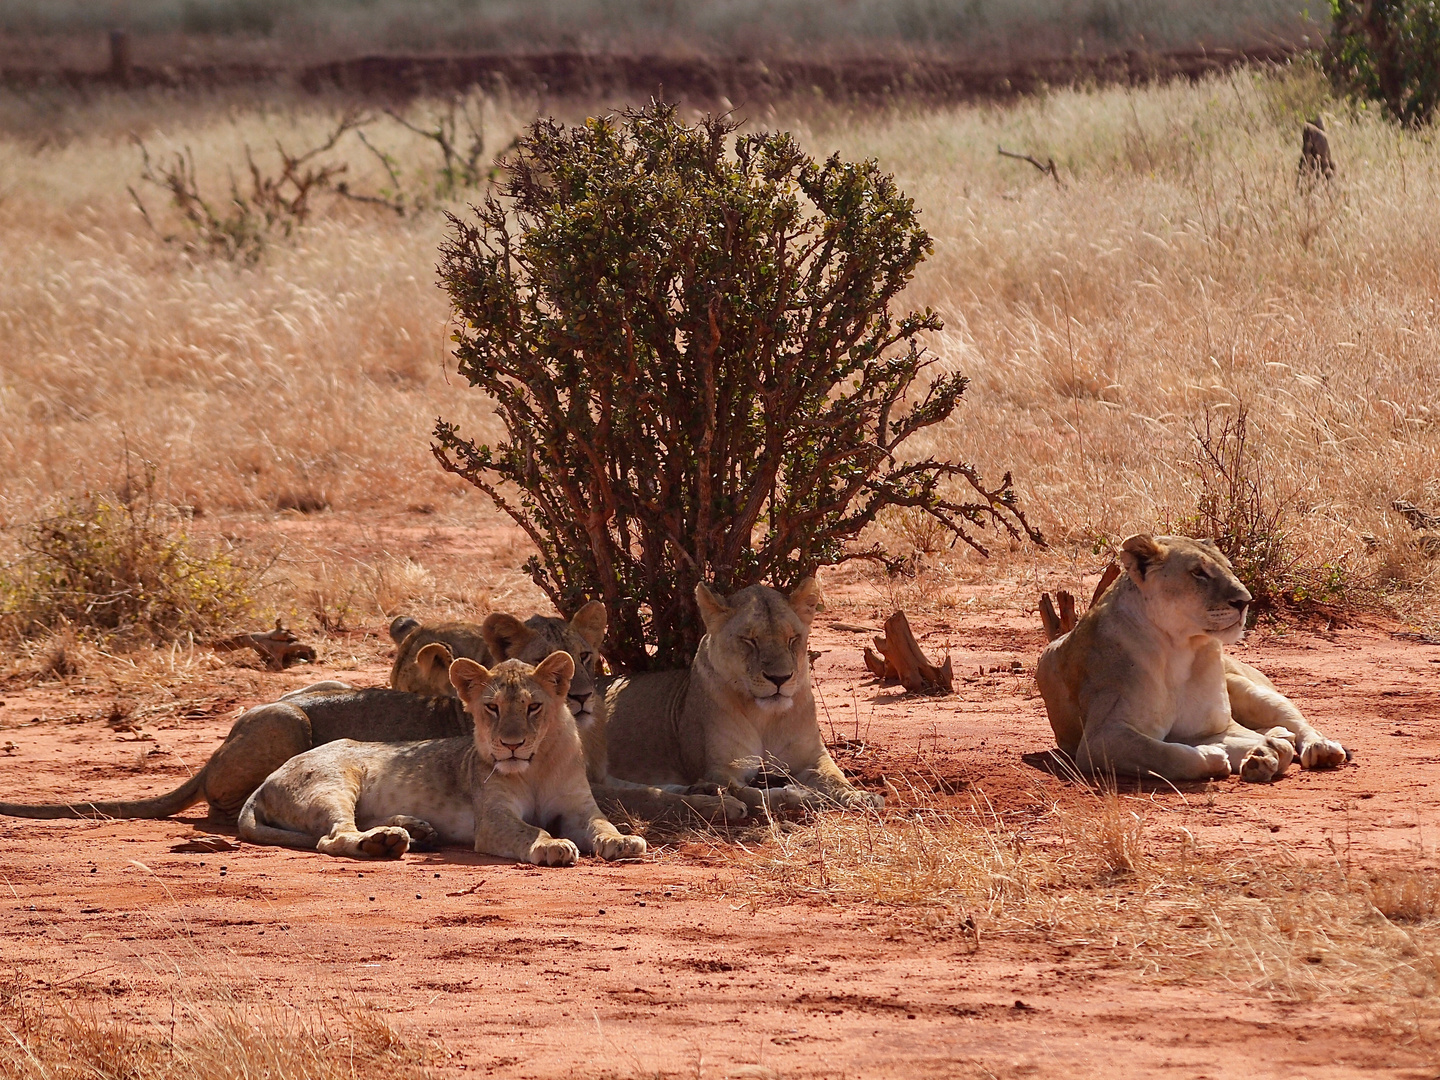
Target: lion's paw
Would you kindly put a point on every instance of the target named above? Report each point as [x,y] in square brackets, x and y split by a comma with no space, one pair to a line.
[862,800]
[551,852]
[718,807]
[1260,765]
[1283,740]
[704,789]
[1214,761]
[386,842]
[1322,753]
[423,835]
[620,847]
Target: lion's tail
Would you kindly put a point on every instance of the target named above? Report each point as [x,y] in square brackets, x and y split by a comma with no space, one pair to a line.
[187,794]
[251,830]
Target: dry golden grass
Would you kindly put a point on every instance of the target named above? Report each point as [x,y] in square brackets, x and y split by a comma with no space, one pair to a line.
[1097,875]
[1178,267]
[57,1040]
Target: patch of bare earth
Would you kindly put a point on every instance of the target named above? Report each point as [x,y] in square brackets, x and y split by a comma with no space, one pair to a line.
[780,953]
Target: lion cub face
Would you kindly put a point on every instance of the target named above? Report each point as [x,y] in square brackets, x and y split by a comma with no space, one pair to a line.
[758,639]
[507,638]
[1188,586]
[515,706]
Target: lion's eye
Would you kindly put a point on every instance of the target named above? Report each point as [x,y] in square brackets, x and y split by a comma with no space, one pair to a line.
[534,708]
[588,659]
[1199,574]
[492,708]
[749,642]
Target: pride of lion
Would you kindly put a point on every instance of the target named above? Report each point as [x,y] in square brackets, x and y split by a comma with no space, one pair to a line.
[504,736]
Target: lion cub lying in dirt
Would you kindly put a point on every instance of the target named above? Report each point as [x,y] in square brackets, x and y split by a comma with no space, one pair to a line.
[522,768]
[1142,686]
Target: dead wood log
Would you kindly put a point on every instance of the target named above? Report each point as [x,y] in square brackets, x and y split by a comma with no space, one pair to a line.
[1062,622]
[279,648]
[900,659]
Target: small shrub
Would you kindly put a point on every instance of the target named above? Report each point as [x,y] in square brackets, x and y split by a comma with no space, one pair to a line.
[1239,508]
[120,567]
[275,203]
[1387,51]
[689,341]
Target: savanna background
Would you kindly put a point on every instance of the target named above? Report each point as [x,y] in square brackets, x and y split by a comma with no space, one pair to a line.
[252,396]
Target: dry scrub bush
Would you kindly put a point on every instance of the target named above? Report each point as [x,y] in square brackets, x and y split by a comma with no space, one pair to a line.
[125,568]
[1092,874]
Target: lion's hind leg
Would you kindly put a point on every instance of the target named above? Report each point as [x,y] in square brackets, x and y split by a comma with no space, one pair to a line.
[309,802]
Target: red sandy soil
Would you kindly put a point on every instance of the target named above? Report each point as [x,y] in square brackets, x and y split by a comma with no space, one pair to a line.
[645,969]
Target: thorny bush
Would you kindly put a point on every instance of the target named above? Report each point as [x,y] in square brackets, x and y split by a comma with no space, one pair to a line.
[690,343]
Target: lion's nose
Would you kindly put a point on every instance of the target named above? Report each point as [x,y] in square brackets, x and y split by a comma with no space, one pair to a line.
[509,745]
[778,680]
[578,702]
[1240,603]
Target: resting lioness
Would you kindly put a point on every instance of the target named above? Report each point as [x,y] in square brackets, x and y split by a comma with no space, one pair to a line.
[423,664]
[1141,685]
[743,712]
[265,737]
[520,769]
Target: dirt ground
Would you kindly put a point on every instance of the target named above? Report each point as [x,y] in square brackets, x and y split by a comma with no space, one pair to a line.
[650,969]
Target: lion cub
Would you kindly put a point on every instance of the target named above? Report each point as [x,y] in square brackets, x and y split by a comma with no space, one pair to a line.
[523,767]
[1142,685]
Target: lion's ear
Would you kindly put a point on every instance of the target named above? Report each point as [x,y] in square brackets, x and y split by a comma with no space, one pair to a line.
[805,598]
[1138,554]
[400,627]
[555,672]
[505,635]
[468,678]
[713,608]
[589,622]
[434,660]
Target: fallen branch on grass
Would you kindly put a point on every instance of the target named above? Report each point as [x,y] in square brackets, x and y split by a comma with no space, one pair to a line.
[1048,166]
[900,659]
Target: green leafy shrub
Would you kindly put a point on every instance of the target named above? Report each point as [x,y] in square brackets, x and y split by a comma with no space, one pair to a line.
[689,341]
[120,568]
[1387,51]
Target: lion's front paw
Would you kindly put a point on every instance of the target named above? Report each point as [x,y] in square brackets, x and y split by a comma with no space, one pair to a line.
[386,842]
[704,788]
[1214,761]
[423,835]
[1260,765]
[551,852]
[620,847]
[1322,753]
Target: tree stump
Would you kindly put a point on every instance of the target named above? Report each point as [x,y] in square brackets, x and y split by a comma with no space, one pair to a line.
[900,659]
